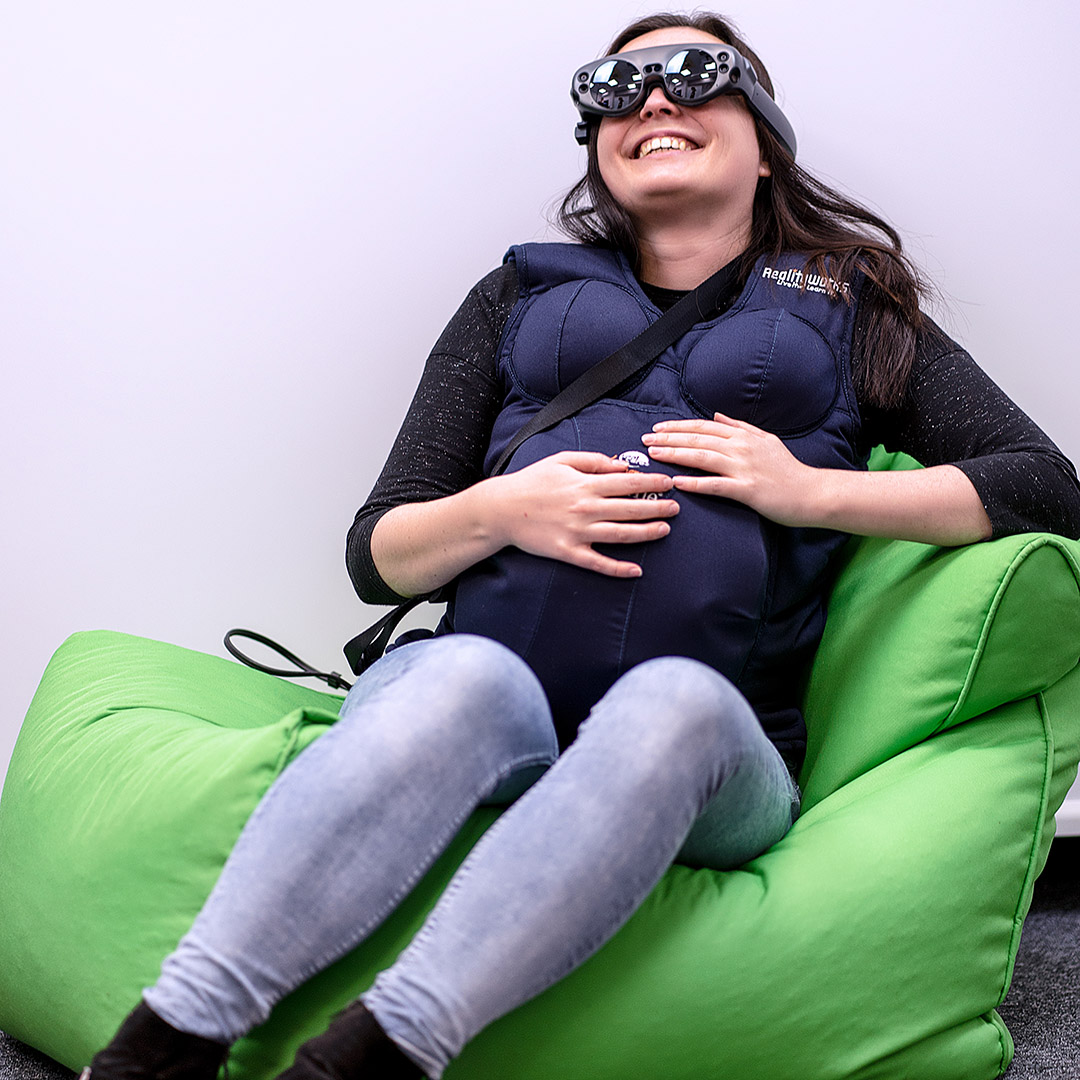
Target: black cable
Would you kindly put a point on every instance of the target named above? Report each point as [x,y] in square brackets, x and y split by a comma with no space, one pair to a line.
[332,678]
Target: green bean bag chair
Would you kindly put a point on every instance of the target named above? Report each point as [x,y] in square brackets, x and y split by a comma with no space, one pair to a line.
[873,942]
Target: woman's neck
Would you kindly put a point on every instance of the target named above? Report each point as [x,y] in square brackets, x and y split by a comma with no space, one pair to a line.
[682,258]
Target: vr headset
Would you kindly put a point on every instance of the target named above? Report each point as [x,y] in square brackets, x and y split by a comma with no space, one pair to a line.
[689,74]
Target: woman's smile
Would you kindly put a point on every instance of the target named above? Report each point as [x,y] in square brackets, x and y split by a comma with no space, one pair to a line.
[661,144]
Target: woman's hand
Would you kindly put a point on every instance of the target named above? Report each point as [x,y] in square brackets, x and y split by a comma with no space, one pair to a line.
[560,506]
[557,507]
[938,505]
[744,463]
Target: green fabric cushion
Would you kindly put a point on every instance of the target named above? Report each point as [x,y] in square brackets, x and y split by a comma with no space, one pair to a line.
[873,941]
[922,638]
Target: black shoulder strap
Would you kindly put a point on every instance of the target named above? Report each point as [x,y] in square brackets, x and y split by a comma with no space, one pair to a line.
[605,376]
[363,650]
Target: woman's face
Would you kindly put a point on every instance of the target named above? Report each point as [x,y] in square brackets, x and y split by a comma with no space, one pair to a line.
[714,166]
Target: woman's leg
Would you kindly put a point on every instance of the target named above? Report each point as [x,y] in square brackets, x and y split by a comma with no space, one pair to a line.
[564,867]
[752,810]
[345,832]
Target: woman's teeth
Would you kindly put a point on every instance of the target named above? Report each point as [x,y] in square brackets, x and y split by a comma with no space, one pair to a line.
[663,142]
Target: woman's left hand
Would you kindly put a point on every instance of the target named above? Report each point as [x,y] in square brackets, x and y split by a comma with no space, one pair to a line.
[744,463]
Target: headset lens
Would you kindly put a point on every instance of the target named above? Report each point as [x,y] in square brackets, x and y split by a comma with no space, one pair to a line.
[690,74]
[614,85]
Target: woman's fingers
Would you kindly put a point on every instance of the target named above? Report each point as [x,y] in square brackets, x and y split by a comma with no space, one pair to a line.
[630,484]
[691,457]
[739,461]
[609,532]
[721,445]
[587,461]
[606,489]
[698,444]
[719,425]
[588,559]
[722,486]
[627,532]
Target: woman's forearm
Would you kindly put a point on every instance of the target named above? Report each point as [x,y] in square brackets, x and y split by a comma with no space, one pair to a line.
[419,546]
[938,505]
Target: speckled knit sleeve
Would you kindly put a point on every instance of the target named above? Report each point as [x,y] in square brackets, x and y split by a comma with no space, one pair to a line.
[955,414]
[441,445]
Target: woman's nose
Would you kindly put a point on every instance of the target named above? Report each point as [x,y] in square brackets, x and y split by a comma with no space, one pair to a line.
[657,103]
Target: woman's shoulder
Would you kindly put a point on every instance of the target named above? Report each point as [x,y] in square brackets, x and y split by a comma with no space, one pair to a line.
[543,264]
[932,343]
[498,288]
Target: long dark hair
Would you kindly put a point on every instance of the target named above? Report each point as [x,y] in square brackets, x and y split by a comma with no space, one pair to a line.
[793,212]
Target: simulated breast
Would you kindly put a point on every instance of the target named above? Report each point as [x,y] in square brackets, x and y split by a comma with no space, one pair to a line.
[768,367]
[564,331]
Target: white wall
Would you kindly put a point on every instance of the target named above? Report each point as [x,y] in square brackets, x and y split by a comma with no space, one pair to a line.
[230,233]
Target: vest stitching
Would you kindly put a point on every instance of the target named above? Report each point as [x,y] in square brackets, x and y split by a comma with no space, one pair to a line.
[629,611]
[851,402]
[768,364]
[768,535]
[559,333]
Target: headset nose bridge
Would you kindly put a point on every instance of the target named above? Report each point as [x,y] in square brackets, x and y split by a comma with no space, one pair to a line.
[652,82]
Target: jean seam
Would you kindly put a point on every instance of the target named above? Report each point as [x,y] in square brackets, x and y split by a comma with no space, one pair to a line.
[436,849]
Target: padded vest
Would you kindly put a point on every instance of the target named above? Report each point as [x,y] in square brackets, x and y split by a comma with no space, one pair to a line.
[725,586]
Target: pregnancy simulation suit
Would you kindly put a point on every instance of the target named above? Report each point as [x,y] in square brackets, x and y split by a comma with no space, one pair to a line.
[725,586]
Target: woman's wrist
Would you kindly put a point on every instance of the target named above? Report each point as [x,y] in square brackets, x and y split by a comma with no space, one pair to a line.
[417,547]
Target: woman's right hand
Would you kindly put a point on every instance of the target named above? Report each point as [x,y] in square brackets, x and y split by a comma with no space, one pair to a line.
[561,505]
[558,507]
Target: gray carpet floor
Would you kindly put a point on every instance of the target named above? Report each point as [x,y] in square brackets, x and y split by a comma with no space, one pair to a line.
[1042,1009]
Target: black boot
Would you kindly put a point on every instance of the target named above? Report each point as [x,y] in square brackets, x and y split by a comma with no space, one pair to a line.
[353,1047]
[147,1048]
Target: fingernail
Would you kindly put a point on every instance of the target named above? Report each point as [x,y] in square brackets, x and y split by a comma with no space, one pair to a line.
[648,438]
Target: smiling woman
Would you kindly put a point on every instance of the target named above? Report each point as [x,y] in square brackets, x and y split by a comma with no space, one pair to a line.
[632,605]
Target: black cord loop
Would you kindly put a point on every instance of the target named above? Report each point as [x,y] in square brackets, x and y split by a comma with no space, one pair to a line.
[332,678]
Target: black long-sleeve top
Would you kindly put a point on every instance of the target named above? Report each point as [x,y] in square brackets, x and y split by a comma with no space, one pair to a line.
[952,413]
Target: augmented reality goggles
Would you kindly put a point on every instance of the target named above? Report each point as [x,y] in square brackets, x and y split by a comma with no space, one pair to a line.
[689,74]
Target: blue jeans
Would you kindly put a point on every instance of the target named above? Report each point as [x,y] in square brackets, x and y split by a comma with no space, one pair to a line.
[670,763]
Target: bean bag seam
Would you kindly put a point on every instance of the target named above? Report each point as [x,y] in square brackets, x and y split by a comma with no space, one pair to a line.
[285,754]
[1040,823]
[1018,560]
[1005,1059]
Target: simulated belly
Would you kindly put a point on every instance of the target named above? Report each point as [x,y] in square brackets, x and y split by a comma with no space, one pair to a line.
[702,593]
